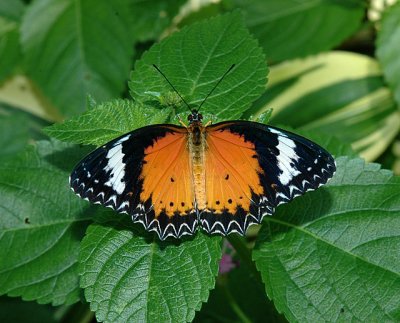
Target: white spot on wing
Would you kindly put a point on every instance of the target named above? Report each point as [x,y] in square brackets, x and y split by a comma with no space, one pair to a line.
[280,133]
[286,156]
[116,166]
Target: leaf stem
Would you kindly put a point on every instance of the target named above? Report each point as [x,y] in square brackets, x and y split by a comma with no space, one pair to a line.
[235,307]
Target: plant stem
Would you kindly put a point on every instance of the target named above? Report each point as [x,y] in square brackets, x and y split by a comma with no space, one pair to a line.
[235,307]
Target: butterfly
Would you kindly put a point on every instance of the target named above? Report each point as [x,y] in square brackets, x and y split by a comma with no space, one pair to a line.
[221,177]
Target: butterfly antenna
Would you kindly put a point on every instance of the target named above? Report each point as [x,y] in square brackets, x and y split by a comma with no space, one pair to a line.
[176,91]
[215,86]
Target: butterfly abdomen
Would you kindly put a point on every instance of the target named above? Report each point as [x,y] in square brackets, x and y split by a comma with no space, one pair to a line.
[196,145]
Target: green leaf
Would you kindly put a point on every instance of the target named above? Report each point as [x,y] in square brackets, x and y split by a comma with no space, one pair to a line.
[74,48]
[41,224]
[195,59]
[388,48]
[151,18]
[334,254]
[13,136]
[129,275]
[10,52]
[11,10]
[289,28]
[340,94]
[105,122]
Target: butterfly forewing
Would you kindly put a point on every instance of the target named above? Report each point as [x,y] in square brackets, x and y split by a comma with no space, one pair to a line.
[145,174]
[251,168]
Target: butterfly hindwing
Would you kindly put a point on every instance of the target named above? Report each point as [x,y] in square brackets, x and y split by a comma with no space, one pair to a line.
[251,168]
[142,173]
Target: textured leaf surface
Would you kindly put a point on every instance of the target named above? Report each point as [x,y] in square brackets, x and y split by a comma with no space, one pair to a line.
[388,48]
[194,60]
[334,254]
[74,48]
[41,224]
[106,121]
[128,276]
[290,28]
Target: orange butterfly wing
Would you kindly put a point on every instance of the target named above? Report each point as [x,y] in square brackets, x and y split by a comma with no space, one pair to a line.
[146,174]
[167,189]
[251,168]
[231,182]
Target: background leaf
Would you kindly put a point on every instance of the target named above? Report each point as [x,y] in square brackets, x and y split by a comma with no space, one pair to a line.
[388,48]
[129,275]
[340,94]
[73,48]
[10,52]
[289,29]
[14,310]
[151,18]
[13,137]
[106,121]
[228,304]
[333,255]
[41,225]
[194,59]
[11,10]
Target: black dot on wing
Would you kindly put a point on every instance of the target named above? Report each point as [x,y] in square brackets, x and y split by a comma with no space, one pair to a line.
[217,202]
[230,201]
[227,176]
[172,180]
[171,203]
[183,203]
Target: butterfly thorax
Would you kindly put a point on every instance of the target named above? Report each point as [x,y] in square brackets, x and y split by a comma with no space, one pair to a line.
[197,146]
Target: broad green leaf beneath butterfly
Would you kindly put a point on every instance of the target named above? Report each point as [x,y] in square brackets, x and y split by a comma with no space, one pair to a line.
[106,121]
[130,276]
[195,59]
[341,94]
[336,251]
[41,225]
